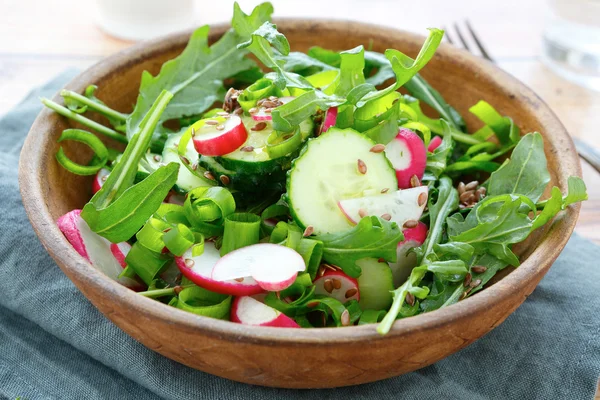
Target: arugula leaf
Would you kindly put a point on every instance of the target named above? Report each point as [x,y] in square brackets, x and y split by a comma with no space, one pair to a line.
[503,127]
[439,210]
[375,60]
[329,57]
[422,90]
[290,115]
[372,237]
[196,76]
[526,172]
[437,161]
[351,70]
[302,63]
[493,225]
[576,191]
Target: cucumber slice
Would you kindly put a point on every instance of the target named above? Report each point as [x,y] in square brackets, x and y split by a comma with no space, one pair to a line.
[186,181]
[255,170]
[375,284]
[327,171]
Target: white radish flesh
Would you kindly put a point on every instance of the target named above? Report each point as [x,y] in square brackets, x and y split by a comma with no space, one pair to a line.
[408,156]
[401,207]
[249,311]
[338,285]
[272,266]
[407,260]
[199,270]
[93,247]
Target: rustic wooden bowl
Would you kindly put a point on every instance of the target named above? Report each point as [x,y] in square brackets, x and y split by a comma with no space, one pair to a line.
[299,358]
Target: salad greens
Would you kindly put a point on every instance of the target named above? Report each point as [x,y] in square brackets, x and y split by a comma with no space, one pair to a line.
[238,175]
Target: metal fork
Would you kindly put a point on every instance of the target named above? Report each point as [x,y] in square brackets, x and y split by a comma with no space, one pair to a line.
[466,35]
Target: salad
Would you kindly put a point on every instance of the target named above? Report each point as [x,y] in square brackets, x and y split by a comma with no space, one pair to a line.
[304,191]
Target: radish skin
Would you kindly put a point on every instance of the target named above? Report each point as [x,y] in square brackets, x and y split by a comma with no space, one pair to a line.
[408,156]
[120,251]
[200,272]
[99,180]
[406,260]
[330,119]
[272,266]
[225,141]
[249,311]
[434,144]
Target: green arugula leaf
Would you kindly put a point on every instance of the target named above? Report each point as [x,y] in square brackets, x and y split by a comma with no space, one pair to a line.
[576,191]
[526,172]
[329,57]
[303,64]
[377,61]
[372,237]
[351,70]
[437,162]
[196,76]
[120,220]
[503,127]
[493,225]
[422,90]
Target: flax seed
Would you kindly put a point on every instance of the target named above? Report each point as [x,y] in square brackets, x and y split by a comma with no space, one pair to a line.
[253,110]
[337,284]
[475,283]
[308,231]
[467,280]
[386,216]
[208,175]
[466,196]
[414,181]
[157,158]
[350,293]
[378,148]
[479,269]
[471,185]
[189,263]
[362,167]
[247,149]
[422,199]
[177,289]
[362,212]
[345,318]
[259,127]
[411,223]
[461,188]
[312,304]
[211,122]
[220,127]
[273,98]
[224,179]
[184,160]
[410,299]
[328,285]
[385,190]
[239,279]
[223,114]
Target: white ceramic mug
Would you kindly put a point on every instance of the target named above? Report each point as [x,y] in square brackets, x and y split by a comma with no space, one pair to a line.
[144,19]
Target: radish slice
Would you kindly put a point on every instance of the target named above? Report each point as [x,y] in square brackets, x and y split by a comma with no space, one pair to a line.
[405,262]
[99,179]
[330,119]
[408,157]
[263,115]
[248,311]
[274,267]
[120,251]
[175,198]
[402,207]
[210,140]
[434,144]
[92,247]
[199,270]
[338,285]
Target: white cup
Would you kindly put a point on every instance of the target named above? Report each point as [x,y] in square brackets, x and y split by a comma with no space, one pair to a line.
[144,19]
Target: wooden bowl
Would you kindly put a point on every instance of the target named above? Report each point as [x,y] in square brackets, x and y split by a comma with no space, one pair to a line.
[299,358]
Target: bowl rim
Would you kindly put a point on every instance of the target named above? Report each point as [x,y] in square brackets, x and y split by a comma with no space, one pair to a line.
[69,260]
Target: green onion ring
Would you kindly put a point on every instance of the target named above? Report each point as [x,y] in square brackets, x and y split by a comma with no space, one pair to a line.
[89,139]
[285,146]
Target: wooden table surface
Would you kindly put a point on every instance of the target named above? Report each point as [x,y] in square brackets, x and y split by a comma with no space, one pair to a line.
[39,39]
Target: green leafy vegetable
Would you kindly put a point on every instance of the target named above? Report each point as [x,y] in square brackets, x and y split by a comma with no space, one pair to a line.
[99,149]
[372,237]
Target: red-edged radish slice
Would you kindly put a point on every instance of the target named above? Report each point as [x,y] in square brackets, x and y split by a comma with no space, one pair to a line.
[434,144]
[408,157]
[248,311]
[120,251]
[402,206]
[330,119]
[338,285]
[99,179]
[272,266]
[263,115]
[93,247]
[219,136]
[199,270]
[175,198]
[406,261]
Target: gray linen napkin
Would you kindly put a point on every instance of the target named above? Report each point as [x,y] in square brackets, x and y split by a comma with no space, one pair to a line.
[55,345]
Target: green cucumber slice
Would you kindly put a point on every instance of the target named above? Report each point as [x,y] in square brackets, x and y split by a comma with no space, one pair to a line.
[327,171]
[186,181]
[375,284]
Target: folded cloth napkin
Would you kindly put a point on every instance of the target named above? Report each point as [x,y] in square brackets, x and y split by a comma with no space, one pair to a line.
[55,345]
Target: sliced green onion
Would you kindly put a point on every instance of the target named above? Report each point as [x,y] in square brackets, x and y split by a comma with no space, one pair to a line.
[354,309]
[241,230]
[89,139]
[200,301]
[162,292]
[424,129]
[302,320]
[182,149]
[179,239]
[281,144]
[207,207]
[273,211]
[65,112]
[146,264]
[151,235]
[128,272]
[330,305]
[376,111]
[325,80]
[260,89]
[279,233]
[409,112]
[198,248]
[312,253]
